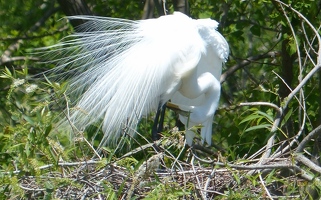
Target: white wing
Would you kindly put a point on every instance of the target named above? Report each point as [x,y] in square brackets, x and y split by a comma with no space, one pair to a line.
[204,84]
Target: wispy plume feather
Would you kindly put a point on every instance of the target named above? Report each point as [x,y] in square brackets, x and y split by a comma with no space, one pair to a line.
[121,70]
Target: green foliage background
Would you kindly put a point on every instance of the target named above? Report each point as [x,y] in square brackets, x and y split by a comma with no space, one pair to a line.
[28,113]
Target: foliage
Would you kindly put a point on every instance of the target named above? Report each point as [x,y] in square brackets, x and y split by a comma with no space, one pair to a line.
[272,49]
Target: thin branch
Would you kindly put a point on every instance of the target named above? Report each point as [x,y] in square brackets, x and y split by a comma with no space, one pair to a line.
[17,58]
[298,87]
[307,138]
[61,164]
[272,105]
[266,190]
[246,62]
[302,159]
[203,194]
[310,25]
[31,189]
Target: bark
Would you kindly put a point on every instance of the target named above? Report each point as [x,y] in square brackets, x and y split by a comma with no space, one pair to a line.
[181,6]
[286,70]
[285,85]
[148,9]
[160,7]
[315,157]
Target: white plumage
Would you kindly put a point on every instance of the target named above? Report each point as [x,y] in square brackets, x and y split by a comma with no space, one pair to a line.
[122,69]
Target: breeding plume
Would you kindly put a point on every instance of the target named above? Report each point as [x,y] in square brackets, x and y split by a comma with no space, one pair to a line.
[121,70]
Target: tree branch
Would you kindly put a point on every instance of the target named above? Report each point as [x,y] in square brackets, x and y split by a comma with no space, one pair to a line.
[246,62]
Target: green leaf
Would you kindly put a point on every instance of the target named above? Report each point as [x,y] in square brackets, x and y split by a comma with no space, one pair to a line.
[47,131]
[250,118]
[28,119]
[27,149]
[239,35]
[287,116]
[266,116]
[261,126]
[49,186]
[6,74]
[256,30]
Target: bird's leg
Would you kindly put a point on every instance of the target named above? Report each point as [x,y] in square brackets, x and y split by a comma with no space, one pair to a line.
[158,122]
[161,120]
[160,114]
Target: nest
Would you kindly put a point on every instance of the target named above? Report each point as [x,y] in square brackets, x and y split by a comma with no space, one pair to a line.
[96,180]
[87,181]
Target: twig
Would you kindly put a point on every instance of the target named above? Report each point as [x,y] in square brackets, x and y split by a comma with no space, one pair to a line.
[203,194]
[297,89]
[266,190]
[246,62]
[64,164]
[74,128]
[211,191]
[272,105]
[307,138]
[31,189]
[310,25]
[209,178]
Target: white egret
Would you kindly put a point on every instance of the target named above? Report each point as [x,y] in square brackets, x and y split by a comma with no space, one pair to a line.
[122,70]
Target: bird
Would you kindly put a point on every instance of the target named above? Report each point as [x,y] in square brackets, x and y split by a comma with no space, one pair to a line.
[119,71]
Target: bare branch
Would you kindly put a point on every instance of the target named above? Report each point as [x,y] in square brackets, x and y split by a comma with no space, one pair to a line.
[17,58]
[272,105]
[301,158]
[310,25]
[246,62]
[306,139]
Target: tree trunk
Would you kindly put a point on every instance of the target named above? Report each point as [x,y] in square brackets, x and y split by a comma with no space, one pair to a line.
[181,6]
[148,9]
[285,84]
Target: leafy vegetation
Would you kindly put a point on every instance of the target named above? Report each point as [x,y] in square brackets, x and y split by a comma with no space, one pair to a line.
[267,129]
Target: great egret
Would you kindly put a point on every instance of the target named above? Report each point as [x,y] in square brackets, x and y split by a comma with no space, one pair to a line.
[122,70]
